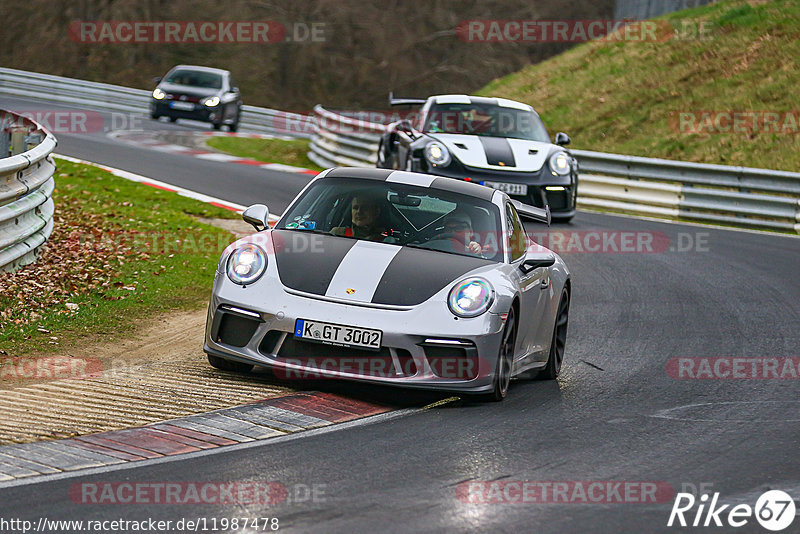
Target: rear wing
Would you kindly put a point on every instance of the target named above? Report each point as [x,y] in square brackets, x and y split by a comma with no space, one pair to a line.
[532,213]
[405,101]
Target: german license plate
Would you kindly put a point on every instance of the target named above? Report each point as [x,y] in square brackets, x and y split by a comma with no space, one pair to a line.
[511,189]
[337,334]
[186,106]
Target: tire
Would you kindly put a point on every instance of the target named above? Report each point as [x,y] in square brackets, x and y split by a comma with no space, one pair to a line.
[173,119]
[505,359]
[234,126]
[217,125]
[155,116]
[559,341]
[229,365]
[562,220]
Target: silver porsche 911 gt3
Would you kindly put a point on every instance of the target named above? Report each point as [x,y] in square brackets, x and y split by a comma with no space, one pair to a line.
[396,278]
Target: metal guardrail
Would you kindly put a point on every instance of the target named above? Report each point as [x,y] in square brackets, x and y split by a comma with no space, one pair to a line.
[107,97]
[26,188]
[740,196]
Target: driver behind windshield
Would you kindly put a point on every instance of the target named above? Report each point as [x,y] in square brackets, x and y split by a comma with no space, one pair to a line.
[459,225]
[365,213]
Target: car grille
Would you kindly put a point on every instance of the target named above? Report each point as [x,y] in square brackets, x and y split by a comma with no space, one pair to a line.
[187,98]
[235,330]
[458,362]
[558,200]
[342,359]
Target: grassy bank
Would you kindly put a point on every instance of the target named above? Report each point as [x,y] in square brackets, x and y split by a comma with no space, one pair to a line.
[630,97]
[288,152]
[120,252]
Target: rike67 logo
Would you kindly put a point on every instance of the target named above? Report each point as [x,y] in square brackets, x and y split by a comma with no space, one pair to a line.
[774,510]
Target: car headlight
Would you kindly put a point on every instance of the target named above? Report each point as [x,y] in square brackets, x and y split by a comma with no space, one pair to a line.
[158,94]
[559,163]
[246,264]
[211,102]
[470,297]
[437,154]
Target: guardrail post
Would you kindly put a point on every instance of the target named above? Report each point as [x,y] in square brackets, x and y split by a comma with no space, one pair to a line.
[18,140]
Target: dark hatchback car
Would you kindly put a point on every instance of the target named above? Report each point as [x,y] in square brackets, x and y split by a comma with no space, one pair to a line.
[197,93]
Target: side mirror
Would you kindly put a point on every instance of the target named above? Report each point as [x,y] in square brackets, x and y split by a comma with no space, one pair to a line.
[157,80]
[534,263]
[257,215]
[234,89]
[562,139]
[405,127]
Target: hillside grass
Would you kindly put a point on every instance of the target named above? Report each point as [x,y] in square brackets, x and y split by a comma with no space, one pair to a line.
[627,97]
[286,151]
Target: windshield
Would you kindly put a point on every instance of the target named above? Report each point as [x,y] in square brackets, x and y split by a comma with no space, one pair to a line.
[485,120]
[399,214]
[195,78]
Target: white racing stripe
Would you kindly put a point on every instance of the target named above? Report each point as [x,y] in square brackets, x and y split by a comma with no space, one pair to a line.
[354,275]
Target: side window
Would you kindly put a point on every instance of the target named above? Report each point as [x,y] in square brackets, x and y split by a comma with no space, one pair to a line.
[516,233]
[231,83]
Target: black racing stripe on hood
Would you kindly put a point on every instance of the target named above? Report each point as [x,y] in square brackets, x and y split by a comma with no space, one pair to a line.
[498,151]
[415,275]
[307,262]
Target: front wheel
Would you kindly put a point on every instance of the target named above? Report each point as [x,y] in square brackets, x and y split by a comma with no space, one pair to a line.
[505,359]
[559,342]
[229,365]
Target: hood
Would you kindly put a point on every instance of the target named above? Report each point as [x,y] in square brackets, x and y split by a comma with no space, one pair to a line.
[188,90]
[496,153]
[365,271]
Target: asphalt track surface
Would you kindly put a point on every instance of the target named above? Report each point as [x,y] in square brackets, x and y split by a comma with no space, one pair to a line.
[616,414]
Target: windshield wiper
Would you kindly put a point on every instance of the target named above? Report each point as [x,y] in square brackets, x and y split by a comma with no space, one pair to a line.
[307,231]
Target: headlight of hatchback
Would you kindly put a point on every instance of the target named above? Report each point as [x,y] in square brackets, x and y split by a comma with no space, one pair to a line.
[437,154]
[246,264]
[158,94]
[211,102]
[559,163]
[471,297]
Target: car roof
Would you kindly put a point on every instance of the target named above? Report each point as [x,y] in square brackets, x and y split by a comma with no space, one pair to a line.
[200,68]
[414,178]
[484,100]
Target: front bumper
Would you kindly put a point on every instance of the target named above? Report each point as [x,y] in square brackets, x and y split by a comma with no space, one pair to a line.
[562,202]
[244,326]
[200,112]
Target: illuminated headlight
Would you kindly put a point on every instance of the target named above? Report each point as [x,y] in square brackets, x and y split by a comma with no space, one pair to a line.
[437,154]
[559,163]
[211,102]
[246,264]
[471,297]
[158,94]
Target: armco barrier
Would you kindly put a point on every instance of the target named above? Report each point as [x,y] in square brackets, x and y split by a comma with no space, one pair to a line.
[107,97]
[26,188]
[740,196]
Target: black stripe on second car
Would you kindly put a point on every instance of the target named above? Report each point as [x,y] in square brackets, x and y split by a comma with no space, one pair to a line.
[307,262]
[498,151]
[415,275]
